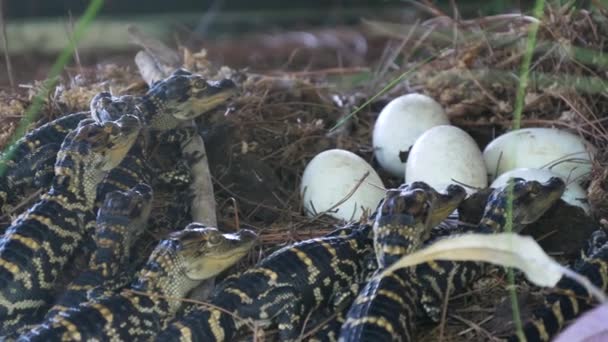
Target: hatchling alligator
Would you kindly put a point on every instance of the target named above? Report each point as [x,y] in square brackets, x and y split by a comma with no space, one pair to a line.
[570,299]
[37,246]
[386,307]
[180,98]
[289,284]
[120,221]
[178,264]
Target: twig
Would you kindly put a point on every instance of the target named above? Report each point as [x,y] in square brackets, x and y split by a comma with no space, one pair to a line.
[444,309]
[475,326]
[344,199]
[7,58]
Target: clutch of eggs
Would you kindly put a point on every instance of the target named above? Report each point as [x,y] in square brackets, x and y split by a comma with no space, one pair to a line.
[330,178]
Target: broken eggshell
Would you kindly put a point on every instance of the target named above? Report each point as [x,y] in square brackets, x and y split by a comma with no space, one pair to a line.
[446,155]
[331,176]
[398,126]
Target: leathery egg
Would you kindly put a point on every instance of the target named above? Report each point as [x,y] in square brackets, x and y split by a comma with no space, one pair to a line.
[331,176]
[446,155]
[562,152]
[573,195]
[398,126]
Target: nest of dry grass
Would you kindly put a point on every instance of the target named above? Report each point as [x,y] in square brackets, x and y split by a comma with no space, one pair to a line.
[282,121]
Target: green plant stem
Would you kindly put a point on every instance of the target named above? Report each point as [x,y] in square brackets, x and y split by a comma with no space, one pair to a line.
[388,87]
[64,57]
[519,104]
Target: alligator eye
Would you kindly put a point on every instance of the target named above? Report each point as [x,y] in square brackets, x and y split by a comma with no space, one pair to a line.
[214,239]
[200,84]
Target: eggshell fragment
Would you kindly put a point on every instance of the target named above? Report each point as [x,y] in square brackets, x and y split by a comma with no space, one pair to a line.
[446,155]
[562,152]
[398,126]
[573,195]
[329,178]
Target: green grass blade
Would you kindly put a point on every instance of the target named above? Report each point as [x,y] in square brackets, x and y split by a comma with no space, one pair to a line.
[33,111]
[388,87]
[519,104]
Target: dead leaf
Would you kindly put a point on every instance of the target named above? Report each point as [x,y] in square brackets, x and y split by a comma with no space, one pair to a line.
[506,249]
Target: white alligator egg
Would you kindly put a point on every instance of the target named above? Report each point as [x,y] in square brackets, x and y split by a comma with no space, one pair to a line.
[573,195]
[398,126]
[446,155]
[330,176]
[562,152]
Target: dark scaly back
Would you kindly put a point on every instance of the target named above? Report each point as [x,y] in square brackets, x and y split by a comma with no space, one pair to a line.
[31,165]
[569,299]
[178,264]
[443,205]
[120,221]
[530,200]
[37,246]
[282,289]
[180,97]
[27,158]
[384,309]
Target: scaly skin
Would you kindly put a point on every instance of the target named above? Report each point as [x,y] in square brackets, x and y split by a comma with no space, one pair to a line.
[177,99]
[400,291]
[285,287]
[38,245]
[120,222]
[384,309]
[531,200]
[444,204]
[178,264]
[570,299]
[281,289]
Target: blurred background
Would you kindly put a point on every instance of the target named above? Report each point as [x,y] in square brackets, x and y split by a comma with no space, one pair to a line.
[261,35]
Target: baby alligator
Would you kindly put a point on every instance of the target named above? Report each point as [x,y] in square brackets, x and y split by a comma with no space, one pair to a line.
[120,221]
[384,308]
[177,265]
[38,245]
[373,316]
[570,299]
[284,287]
[179,98]
[530,200]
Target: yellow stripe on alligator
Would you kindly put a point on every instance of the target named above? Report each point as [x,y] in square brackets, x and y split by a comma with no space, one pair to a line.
[378,321]
[72,333]
[216,328]
[392,295]
[185,334]
[267,272]
[9,266]
[105,312]
[28,242]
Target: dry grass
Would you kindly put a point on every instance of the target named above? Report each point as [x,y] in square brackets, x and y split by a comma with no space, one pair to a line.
[282,120]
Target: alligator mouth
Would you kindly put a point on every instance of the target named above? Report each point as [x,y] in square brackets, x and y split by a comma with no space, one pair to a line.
[129,127]
[198,106]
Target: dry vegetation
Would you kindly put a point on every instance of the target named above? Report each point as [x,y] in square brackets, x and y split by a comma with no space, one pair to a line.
[282,119]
